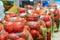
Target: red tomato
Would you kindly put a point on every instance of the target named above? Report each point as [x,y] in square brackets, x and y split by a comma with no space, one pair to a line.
[21,20]
[2,37]
[38,11]
[49,13]
[8,26]
[9,15]
[46,18]
[50,16]
[9,29]
[22,15]
[36,26]
[12,36]
[34,33]
[42,13]
[56,15]
[41,37]
[18,27]
[5,34]
[12,14]
[56,12]
[1,27]
[38,5]
[26,27]
[33,11]
[22,10]
[48,24]
[31,19]
[41,26]
[34,14]
[20,39]
[8,23]
[59,15]
[29,7]
[56,18]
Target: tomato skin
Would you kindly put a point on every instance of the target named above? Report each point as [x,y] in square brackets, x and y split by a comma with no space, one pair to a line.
[38,11]
[56,11]
[56,18]
[41,37]
[31,18]
[18,27]
[2,37]
[34,33]
[36,26]
[59,14]
[34,15]
[13,27]
[1,27]
[8,26]
[9,15]
[43,13]
[12,36]
[22,10]
[29,7]
[38,5]
[12,14]
[48,24]
[9,29]
[50,16]
[27,27]
[45,18]
[20,39]
[6,34]
[56,15]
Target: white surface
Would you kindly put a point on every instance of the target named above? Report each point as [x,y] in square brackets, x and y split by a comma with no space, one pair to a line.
[56,36]
[1,10]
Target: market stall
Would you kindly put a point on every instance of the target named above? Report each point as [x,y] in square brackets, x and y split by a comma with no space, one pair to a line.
[33,20]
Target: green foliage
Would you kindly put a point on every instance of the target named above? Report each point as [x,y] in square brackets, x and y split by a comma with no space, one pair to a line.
[36,39]
[8,2]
